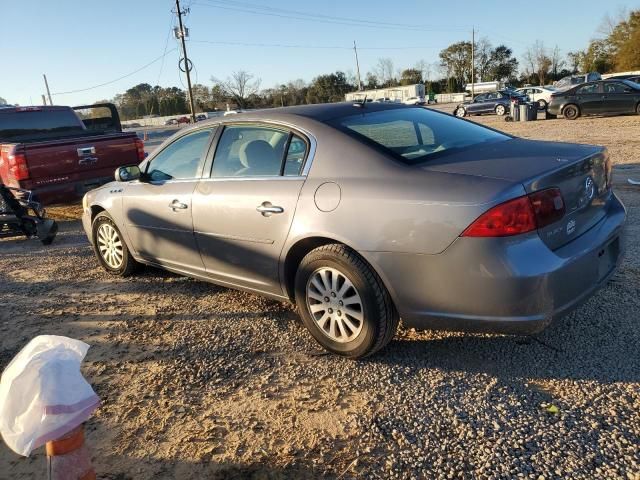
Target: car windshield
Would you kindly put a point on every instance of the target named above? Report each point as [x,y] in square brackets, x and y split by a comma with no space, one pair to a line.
[414,135]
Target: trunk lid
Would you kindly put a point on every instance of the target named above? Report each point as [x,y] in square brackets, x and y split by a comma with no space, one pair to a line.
[579,171]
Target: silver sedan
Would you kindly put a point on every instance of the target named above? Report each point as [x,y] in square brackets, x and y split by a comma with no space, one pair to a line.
[363,214]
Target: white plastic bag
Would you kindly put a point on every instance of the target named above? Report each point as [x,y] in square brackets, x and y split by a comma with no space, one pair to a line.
[43,395]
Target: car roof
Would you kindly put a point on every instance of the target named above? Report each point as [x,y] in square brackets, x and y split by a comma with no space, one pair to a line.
[321,112]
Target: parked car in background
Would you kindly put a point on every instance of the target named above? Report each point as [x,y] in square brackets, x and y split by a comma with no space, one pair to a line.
[201,116]
[132,125]
[414,101]
[60,153]
[177,121]
[576,79]
[596,98]
[493,102]
[632,78]
[436,220]
[540,95]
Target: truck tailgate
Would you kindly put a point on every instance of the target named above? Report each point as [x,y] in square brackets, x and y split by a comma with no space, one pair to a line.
[79,158]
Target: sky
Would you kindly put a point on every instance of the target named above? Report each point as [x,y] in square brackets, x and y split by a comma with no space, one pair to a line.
[82,44]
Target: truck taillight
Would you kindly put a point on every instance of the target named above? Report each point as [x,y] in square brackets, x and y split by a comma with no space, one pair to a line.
[520,215]
[16,163]
[140,149]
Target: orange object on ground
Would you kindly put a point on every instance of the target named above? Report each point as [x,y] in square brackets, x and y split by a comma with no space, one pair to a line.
[68,457]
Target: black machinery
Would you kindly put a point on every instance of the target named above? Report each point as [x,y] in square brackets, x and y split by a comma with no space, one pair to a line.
[16,219]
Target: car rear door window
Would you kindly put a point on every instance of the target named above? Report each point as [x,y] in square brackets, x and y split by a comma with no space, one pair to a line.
[296,154]
[180,159]
[250,151]
[614,87]
[587,89]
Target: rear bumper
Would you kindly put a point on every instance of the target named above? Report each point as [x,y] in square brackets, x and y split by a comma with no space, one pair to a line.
[511,285]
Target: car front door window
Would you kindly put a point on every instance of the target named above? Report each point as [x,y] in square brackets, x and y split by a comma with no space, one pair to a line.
[181,159]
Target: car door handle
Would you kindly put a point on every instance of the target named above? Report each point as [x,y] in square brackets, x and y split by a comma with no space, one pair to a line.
[267,209]
[178,205]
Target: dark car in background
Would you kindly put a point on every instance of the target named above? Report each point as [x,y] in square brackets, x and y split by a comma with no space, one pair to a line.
[596,98]
[492,102]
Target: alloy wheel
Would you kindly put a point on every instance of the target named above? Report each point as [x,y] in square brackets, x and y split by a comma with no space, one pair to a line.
[460,112]
[110,246]
[335,305]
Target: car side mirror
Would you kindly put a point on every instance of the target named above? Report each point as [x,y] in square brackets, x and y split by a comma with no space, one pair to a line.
[128,174]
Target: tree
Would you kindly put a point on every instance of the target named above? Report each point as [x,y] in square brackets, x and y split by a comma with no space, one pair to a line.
[2,101]
[625,42]
[538,62]
[456,61]
[241,85]
[557,62]
[575,60]
[410,76]
[384,72]
[328,88]
[483,51]
[503,65]
[371,81]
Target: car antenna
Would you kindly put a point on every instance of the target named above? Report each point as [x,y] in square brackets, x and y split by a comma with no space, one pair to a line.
[360,103]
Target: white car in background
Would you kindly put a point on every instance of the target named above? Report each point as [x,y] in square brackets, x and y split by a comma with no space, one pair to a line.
[414,101]
[542,95]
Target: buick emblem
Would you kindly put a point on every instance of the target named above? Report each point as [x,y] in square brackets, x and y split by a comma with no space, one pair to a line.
[589,189]
[571,227]
[588,192]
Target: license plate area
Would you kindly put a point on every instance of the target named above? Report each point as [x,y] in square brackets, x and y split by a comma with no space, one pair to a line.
[607,258]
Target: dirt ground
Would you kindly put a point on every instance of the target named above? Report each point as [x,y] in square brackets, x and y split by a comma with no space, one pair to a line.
[198,381]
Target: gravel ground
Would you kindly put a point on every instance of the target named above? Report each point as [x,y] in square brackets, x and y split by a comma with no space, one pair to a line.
[199,381]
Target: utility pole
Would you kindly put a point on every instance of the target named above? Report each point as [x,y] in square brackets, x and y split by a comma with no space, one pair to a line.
[187,66]
[473,61]
[44,100]
[46,84]
[355,49]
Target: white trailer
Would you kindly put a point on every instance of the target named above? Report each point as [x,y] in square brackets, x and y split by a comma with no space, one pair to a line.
[484,87]
[394,94]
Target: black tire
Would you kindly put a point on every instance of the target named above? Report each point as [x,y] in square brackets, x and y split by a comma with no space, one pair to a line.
[500,108]
[571,112]
[128,265]
[542,104]
[380,318]
[638,108]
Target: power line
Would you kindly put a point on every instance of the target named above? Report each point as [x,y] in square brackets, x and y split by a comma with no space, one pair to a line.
[292,14]
[282,45]
[119,78]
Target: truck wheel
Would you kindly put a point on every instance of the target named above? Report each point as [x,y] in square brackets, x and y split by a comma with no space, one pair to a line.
[500,110]
[110,248]
[343,302]
[571,112]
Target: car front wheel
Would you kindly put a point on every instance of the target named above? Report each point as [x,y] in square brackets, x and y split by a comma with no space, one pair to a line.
[460,112]
[500,110]
[343,302]
[110,248]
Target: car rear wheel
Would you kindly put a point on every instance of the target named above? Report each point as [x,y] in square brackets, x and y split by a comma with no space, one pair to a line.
[110,248]
[542,104]
[571,112]
[343,302]
[638,109]
[460,112]
[500,110]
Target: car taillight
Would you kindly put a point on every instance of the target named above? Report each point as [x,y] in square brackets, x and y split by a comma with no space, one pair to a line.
[520,215]
[140,149]
[16,163]
[608,169]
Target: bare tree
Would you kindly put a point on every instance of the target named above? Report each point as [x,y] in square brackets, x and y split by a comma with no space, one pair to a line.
[557,62]
[240,85]
[384,71]
[537,61]
[483,51]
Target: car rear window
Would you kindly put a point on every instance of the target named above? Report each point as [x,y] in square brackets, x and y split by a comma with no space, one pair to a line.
[23,124]
[414,135]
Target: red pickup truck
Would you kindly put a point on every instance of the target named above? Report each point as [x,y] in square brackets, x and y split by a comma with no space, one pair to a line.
[60,153]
